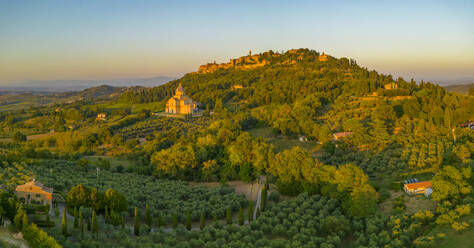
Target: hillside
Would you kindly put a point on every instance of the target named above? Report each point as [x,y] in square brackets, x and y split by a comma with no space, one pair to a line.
[337,140]
[460,88]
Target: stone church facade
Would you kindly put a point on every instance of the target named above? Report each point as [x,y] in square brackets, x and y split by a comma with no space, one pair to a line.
[180,103]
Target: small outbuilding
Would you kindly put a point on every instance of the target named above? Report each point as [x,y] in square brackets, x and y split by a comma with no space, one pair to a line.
[415,188]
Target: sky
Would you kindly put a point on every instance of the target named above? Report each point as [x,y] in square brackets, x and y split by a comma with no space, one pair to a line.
[99,39]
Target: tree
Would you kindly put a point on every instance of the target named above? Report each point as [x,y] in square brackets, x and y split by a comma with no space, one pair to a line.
[18,219]
[147,215]
[188,220]
[64,223]
[96,199]
[159,220]
[81,224]
[78,196]
[116,201]
[228,216]
[250,211]
[264,197]
[76,218]
[202,221]
[175,220]
[25,222]
[95,225]
[241,216]
[451,183]
[18,137]
[136,224]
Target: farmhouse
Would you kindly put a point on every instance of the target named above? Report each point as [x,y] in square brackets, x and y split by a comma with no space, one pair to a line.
[101,116]
[418,188]
[34,192]
[180,103]
[340,135]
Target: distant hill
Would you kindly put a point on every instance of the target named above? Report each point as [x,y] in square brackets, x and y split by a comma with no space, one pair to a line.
[52,86]
[460,88]
[99,92]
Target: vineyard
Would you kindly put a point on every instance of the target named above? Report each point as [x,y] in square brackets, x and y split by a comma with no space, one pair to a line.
[304,221]
[163,196]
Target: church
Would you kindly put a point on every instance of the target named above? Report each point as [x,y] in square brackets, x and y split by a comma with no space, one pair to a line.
[180,103]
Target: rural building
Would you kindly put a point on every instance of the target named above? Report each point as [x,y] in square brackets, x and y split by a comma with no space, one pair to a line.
[101,116]
[237,86]
[340,135]
[180,103]
[34,192]
[323,57]
[418,188]
[390,86]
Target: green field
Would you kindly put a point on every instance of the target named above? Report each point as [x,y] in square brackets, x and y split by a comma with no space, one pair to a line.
[281,142]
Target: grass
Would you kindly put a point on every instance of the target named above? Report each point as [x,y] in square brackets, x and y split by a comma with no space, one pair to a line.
[463,239]
[281,142]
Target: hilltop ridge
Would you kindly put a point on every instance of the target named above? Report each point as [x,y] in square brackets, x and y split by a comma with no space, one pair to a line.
[250,61]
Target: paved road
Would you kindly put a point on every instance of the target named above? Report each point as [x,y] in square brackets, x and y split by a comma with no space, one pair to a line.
[261,181]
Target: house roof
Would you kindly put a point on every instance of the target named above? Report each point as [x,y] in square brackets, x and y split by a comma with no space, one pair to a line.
[28,187]
[342,134]
[426,184]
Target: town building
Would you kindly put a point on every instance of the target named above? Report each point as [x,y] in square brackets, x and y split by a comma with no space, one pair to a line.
[101,116]
[323,57]
[180,103]
[34,192]
[418,188]
[390,86]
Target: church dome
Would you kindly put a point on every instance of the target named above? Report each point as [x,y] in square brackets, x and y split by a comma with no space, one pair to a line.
[180,89]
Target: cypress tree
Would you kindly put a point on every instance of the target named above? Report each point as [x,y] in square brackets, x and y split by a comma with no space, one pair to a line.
[147,216]
[95,225]
[81,224]
[264,197]
[64,223]
[25,222]
[47,219]
[76,218]
[228,216]
[159,220]
[258,213]
[250,211]
[89,228]
[214,218]
[241,216]
[202,221]
[175,220]
[106,215]
[122,220]
[188,221]
[136,224]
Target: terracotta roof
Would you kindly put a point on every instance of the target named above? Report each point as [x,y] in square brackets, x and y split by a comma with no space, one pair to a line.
[342,134]
[426,184]
[27,187]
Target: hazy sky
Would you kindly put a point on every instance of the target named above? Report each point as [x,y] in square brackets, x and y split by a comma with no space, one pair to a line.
[94,39]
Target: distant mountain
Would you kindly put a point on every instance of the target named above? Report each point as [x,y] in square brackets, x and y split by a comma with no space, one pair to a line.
[459,88]
[99,92]
[76,85]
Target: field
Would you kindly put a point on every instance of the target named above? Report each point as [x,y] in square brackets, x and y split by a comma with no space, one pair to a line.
[281,142]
